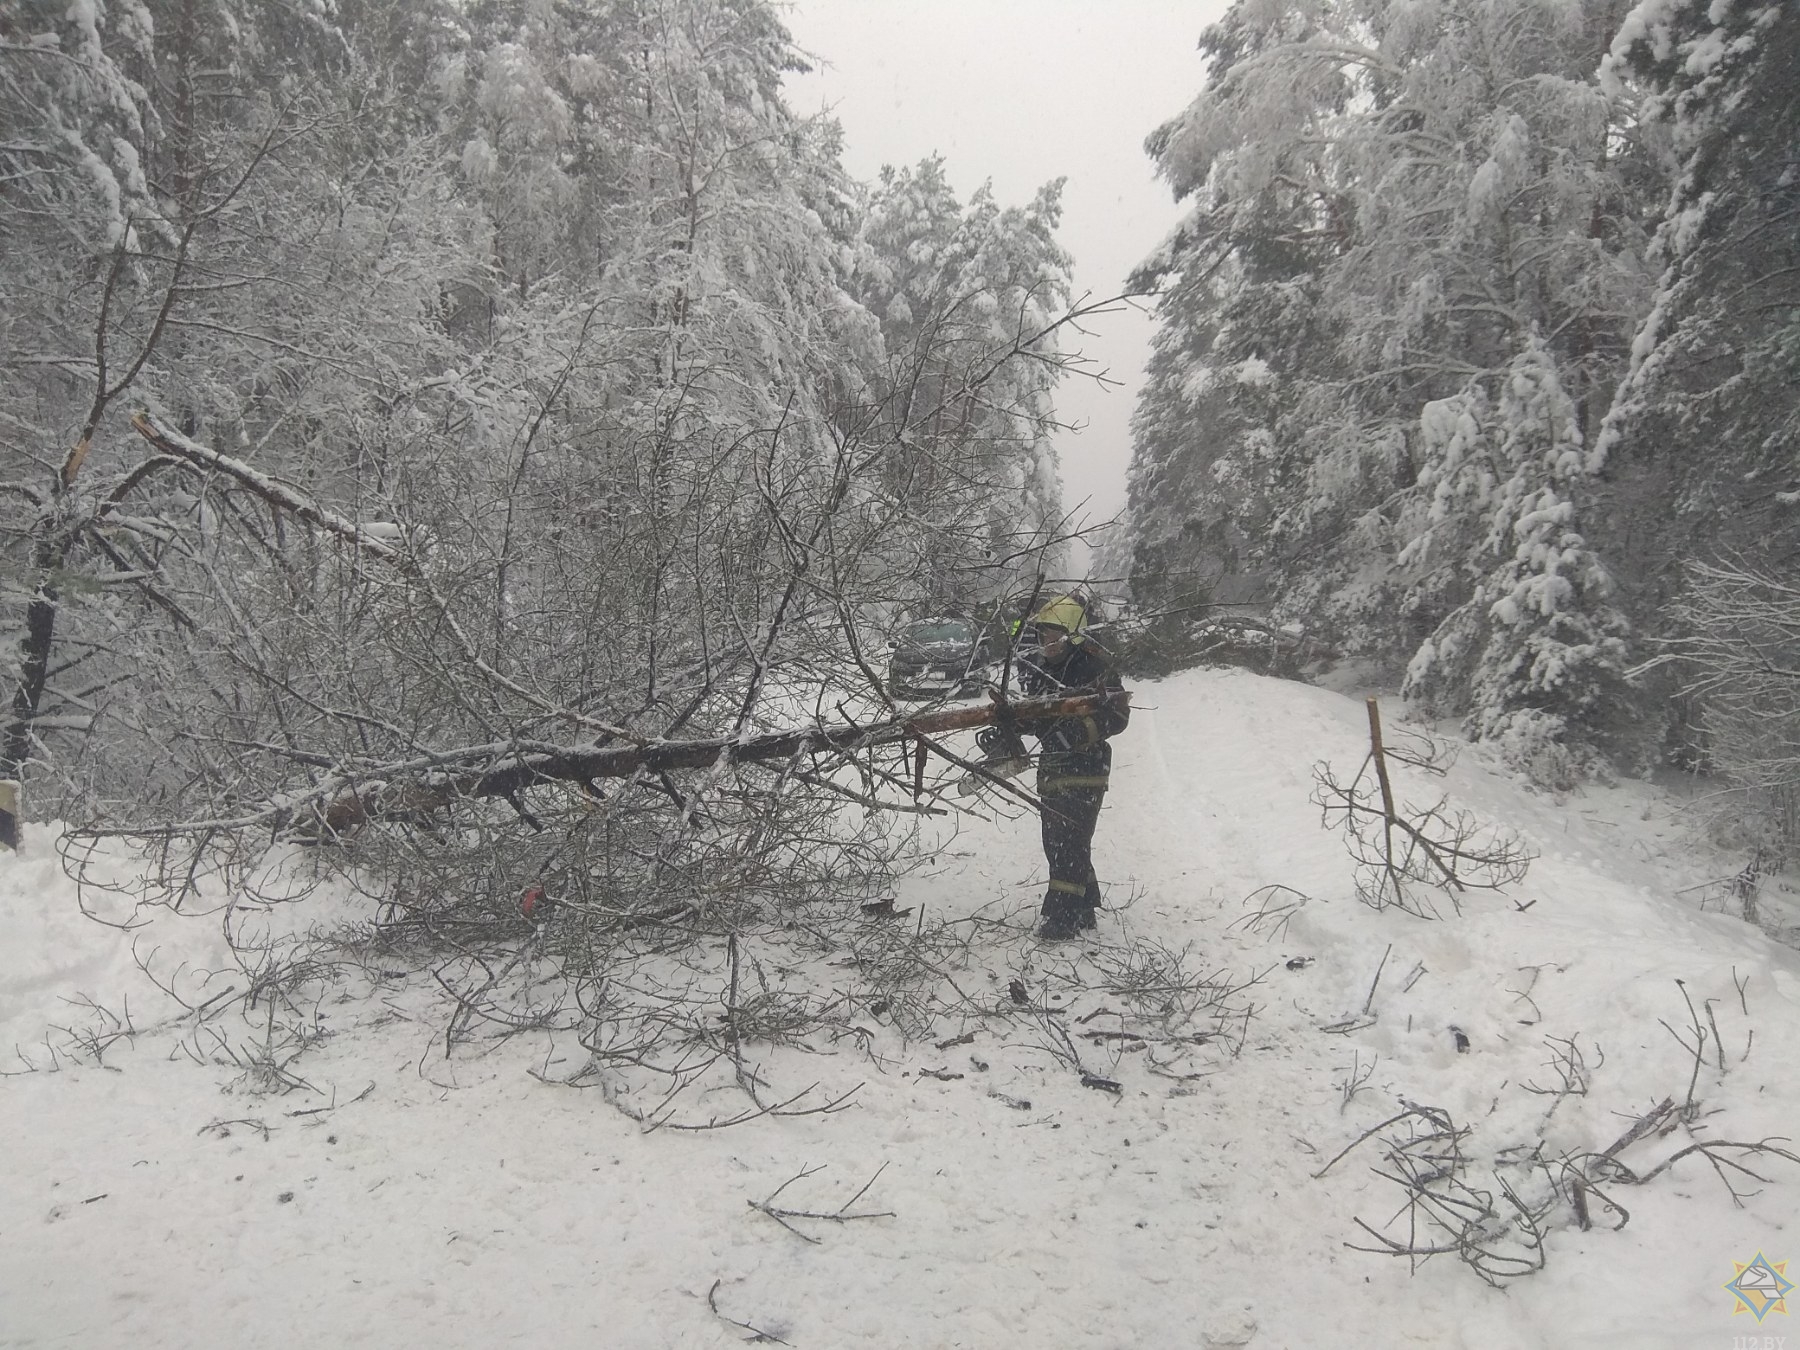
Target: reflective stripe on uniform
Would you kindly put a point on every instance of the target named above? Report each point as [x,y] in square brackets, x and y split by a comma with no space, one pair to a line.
[1048,785]
[1069,887]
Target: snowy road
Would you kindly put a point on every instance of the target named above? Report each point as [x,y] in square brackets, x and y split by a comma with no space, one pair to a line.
[467,1203]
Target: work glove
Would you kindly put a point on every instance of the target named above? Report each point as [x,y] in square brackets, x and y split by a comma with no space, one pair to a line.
[1065,735]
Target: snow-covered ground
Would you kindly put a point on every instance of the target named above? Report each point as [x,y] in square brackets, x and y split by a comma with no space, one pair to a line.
[414,1200]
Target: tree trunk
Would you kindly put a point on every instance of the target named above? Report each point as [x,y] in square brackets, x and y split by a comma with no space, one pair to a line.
[583,764]
[34,675]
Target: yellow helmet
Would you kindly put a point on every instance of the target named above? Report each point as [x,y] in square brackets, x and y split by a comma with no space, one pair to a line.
[1064,612]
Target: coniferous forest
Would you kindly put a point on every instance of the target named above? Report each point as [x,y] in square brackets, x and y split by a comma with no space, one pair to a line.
[394,389]
[1478,352]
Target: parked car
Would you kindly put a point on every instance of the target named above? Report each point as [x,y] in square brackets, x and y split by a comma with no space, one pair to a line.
[938,657]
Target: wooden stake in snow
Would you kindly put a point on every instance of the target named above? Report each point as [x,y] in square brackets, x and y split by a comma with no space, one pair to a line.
[1380,758]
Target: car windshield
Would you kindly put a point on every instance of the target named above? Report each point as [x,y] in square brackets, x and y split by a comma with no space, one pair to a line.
[940,630]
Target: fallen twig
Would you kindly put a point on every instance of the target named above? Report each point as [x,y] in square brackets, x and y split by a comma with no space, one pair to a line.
[757,1335]
[839,1215]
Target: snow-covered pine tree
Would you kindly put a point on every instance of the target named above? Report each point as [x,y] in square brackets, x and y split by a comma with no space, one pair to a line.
[1238,404]
[1221,450]
[1535,655]
[1697,451]
[969,299]
[1446,187]
[1697,459]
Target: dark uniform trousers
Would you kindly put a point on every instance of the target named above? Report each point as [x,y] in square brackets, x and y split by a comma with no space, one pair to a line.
[1072,784]
[1074,764]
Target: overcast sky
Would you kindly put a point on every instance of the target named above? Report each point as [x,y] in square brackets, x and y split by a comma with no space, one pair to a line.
[1021,92]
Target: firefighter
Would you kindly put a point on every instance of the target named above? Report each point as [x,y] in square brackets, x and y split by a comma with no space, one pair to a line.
[1075,759]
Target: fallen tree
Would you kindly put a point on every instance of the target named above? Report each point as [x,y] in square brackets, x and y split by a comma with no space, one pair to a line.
[559,669]
[345,795]
[344,801]
[582,765]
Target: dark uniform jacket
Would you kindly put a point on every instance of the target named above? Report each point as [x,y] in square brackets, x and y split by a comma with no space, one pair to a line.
[1084,669]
